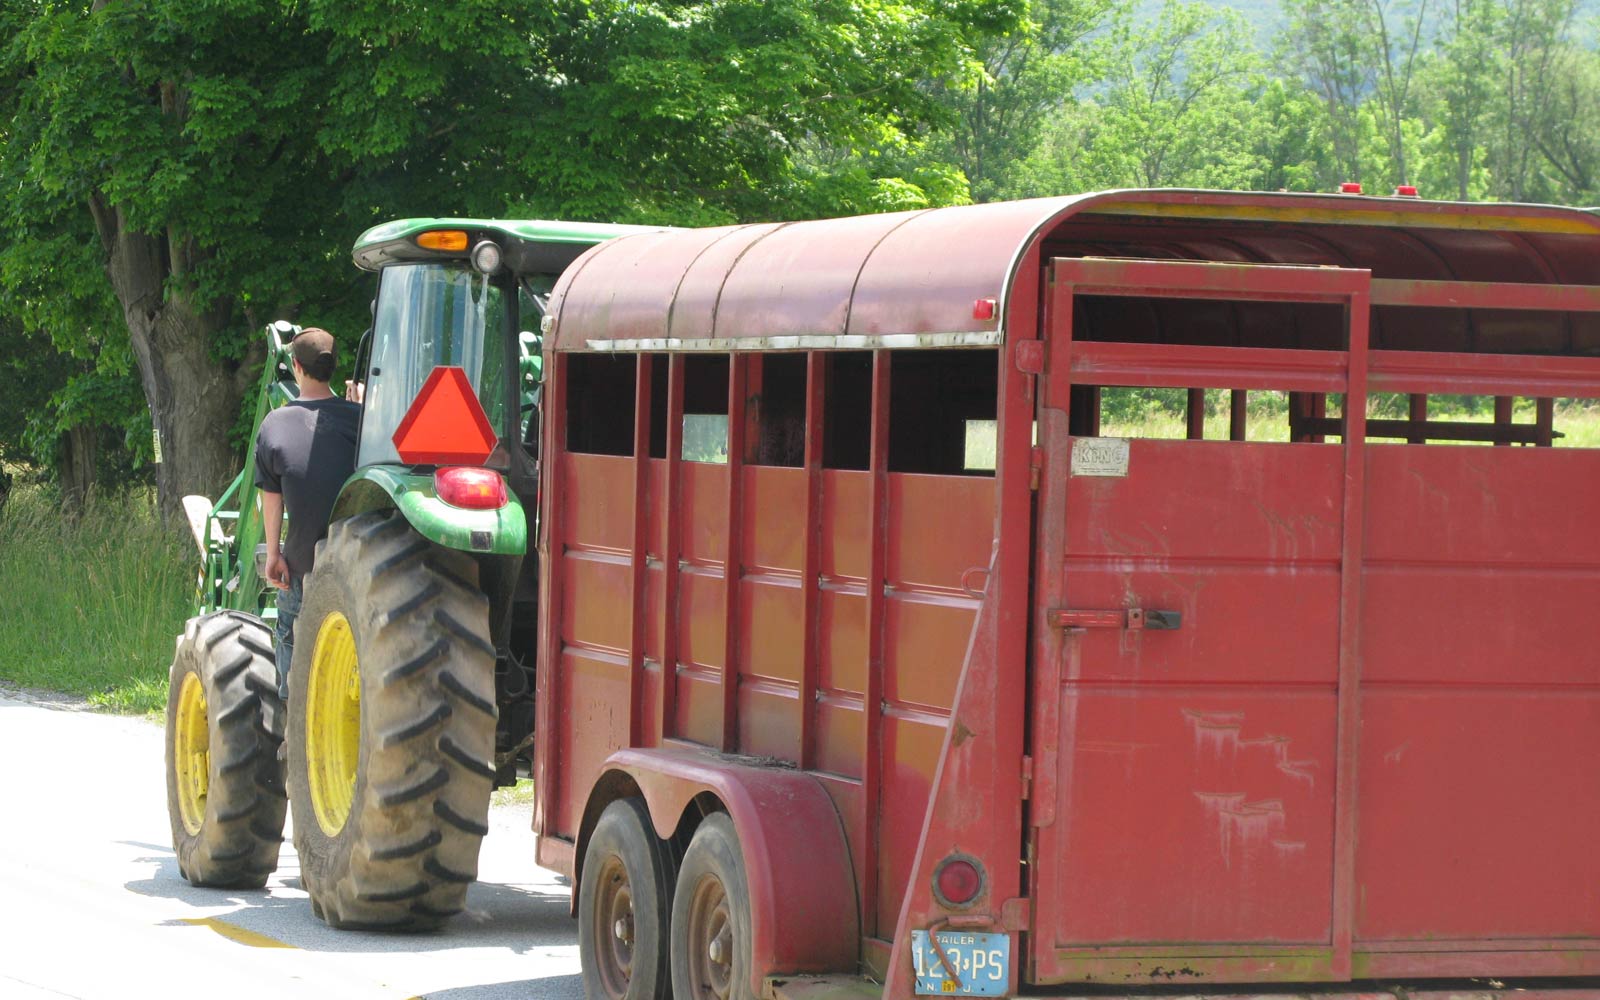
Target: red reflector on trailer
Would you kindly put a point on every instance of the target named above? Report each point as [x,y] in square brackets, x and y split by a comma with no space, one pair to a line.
[958,881]
[1350,187]
[1406,191]
[445,425]
[472,489]
[983,309]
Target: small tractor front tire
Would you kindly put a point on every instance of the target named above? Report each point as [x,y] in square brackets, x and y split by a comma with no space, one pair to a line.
[224,780]
[391,727]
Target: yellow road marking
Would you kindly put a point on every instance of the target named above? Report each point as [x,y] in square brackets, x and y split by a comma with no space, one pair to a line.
[233,932]
[236,933]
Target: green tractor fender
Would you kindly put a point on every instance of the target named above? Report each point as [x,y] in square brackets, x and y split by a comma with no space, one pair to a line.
[502,532]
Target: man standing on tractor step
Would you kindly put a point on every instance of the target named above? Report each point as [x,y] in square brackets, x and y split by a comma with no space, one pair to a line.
[305,451]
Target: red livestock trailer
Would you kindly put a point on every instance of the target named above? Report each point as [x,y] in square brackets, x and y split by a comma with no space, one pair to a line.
[867,658]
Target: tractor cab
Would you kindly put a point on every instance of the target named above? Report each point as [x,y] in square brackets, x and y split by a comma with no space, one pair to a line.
[451,382]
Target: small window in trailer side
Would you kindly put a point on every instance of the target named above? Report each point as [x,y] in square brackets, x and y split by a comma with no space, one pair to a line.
[599,391]
[847,410]
[775,410]
[705,408]
[942,411]
[705,405]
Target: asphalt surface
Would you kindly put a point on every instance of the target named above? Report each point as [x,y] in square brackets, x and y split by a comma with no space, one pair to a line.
[92,908]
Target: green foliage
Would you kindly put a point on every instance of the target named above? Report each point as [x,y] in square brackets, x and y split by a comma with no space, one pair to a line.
[91,606]
[1173,108]
[214,160]
[999,117]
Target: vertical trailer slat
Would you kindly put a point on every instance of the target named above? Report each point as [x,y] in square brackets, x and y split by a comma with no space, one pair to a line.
[1238,407]
[641,540]
[741,434]
[872,696]
[1350,580]
[1502,418]
[672,548]
[1417,411]
[1195,414]
[811,567]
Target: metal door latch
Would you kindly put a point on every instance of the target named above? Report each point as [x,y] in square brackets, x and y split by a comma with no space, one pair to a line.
[1132,619]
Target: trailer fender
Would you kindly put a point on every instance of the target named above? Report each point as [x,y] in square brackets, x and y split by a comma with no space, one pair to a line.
[795,853]
[501,532]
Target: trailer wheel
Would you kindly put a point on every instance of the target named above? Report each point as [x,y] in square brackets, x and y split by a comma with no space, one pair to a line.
[711,917]
[391,727]
[224,780]
[624,905]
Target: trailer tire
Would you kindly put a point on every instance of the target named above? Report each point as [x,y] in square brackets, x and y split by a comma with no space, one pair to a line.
[625,906]
[711,917]
[391,727]
[224,779]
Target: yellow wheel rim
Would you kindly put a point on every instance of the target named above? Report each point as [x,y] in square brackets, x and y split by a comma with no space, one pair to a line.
[191,755]
[333,724]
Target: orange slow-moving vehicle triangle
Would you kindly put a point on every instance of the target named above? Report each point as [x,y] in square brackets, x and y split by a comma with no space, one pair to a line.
[446,424]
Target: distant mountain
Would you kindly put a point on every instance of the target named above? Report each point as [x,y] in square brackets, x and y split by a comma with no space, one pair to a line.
[1267,15]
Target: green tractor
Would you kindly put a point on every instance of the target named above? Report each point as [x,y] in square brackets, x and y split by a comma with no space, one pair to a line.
[411,689]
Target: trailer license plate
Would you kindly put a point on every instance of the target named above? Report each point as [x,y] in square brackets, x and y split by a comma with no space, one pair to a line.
[981,961]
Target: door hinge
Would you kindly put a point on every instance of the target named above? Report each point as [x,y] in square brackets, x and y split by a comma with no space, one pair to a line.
[1035,468]
[1027,776]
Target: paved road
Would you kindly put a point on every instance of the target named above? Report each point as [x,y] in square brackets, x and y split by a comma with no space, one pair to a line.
[92,908]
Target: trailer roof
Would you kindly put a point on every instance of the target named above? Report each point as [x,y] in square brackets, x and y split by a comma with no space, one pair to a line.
[914,278]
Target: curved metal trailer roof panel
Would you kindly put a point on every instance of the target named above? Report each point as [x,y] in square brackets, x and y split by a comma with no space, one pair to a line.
[914,278]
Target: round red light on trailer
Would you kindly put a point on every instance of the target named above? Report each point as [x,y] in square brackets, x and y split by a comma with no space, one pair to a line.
[958,880]
[1350,187]
[1406,191]
[470,489]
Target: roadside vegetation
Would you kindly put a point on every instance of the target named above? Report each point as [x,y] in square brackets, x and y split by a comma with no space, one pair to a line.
[1160,413]
[91,603]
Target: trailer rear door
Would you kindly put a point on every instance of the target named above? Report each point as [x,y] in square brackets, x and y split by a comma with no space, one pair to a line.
[1191,816]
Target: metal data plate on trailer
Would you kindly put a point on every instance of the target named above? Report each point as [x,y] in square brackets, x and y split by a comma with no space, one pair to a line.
[982,962]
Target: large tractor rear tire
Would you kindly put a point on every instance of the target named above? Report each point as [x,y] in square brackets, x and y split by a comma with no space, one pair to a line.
[224,779]
[391,727]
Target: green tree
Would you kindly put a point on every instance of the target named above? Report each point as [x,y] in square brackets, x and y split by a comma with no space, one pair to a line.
[1460,72]
[1327,45]
[1569,138]
[1395,33]
[215,160]
[1027,74]
[1173,108]
[1532,38]
[1287,130]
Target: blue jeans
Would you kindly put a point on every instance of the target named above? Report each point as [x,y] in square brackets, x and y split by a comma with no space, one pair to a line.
[283,633]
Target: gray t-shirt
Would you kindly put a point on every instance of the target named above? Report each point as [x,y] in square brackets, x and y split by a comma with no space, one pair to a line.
[306,450]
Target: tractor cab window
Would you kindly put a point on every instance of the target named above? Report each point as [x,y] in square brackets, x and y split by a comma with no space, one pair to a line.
[430,315]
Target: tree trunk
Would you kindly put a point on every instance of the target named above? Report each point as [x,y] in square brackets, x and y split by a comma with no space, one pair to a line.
[194,398]
[80,447]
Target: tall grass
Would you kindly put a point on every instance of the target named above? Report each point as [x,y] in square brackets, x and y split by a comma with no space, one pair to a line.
[91,605]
